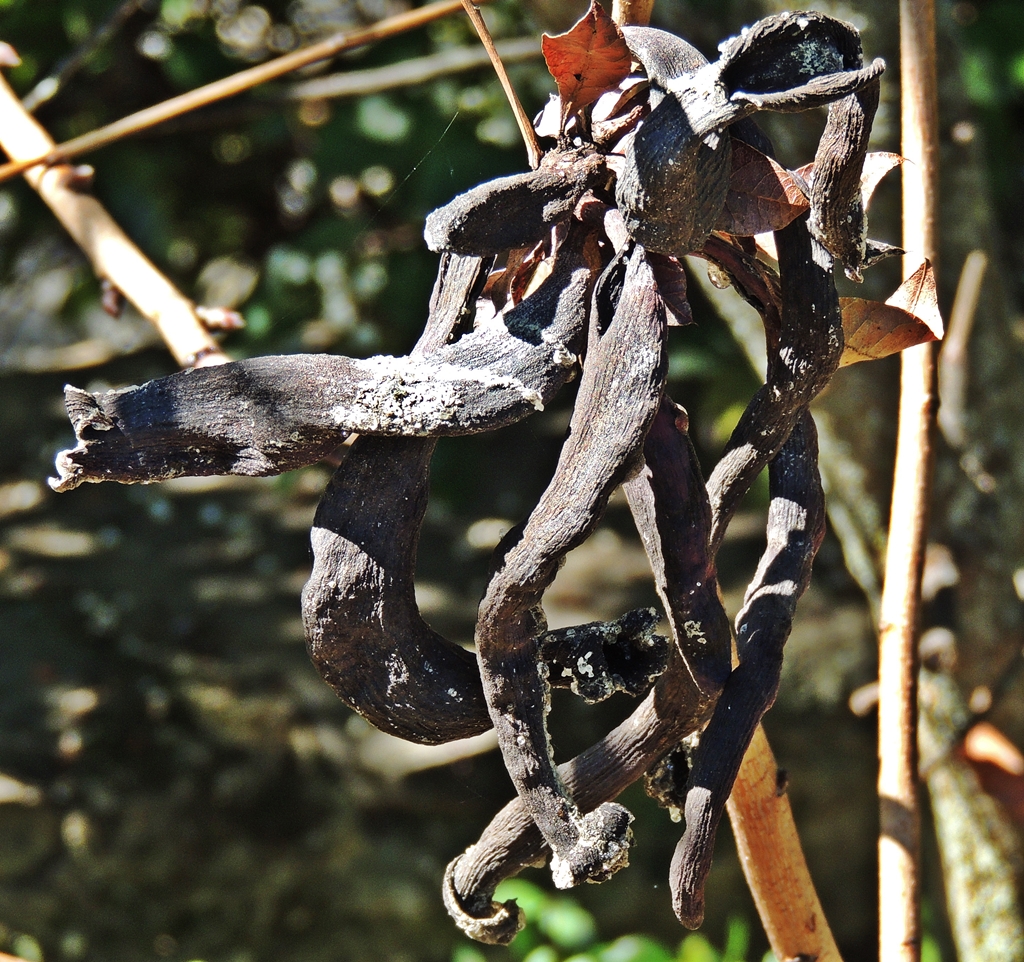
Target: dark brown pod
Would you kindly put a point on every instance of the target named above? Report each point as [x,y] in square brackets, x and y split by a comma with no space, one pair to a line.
[678,164]
[516,211]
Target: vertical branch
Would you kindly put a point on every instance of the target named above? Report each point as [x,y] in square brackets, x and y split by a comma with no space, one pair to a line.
[632,12]
[899,841]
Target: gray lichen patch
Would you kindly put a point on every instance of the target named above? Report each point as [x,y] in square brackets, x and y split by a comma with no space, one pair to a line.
[411,396]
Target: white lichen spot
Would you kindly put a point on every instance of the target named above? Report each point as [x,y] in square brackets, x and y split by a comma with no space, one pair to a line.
[398,673]
[695,632]
[583,666]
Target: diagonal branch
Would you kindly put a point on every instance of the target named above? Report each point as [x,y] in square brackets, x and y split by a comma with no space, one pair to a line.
[230,86]
[113,255]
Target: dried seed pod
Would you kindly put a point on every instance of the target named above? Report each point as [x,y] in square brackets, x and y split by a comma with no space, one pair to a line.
[676,175]
[670,507]
[619,394]
[516,211]
[600,658]
[796,527]
[672,189]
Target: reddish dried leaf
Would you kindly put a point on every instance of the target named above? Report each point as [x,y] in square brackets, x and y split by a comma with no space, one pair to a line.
[586,61]
[911,316]
[986,743]
[917,295]
[671,280]
[763,196]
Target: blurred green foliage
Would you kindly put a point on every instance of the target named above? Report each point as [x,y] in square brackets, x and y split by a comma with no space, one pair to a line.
[559,930]
[992,33]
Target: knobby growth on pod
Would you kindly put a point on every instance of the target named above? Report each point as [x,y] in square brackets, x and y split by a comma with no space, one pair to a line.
[574,270]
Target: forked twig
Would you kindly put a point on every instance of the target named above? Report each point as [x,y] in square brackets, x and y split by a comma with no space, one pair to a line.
[899,839]
[525,126]
[230,86]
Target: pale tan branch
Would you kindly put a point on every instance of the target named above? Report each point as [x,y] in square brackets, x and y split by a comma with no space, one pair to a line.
[114,257]
[773,861]
[358,83]
[953,356]
[230,86]
[899,838]
[525,126]
[632,12]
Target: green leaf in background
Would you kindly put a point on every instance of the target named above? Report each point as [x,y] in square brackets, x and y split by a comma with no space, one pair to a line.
[567,925]
[737,940]
[696,948]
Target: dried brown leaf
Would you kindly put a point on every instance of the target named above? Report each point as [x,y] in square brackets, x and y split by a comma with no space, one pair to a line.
[587,60]
[876,165]
[763,196]
[999,765]
[911,316]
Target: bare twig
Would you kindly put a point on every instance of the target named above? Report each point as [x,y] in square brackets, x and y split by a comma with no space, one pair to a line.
[899,839]
[54,82]
[525,126]
[230,86]
[773,861]
[357,83]
[632,12]
[953,356]
[113,256]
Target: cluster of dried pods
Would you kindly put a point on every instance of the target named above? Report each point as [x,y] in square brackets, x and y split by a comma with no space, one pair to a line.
[589,245]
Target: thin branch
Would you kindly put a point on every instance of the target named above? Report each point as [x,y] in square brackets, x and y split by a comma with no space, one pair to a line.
[230,86]
[57,79]
[953,356]
[899,839]
[525,126]
[773,861]
[358,83]
[113,256]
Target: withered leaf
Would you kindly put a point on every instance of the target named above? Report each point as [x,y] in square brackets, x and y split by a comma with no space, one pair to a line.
[911,316]
[763,196]
[586,61]
[999,765]
[876,165]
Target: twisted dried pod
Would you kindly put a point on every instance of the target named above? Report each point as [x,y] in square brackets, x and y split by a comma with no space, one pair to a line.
[796,527]
[620,390]
[516,211]
[670,506]
[676,176]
